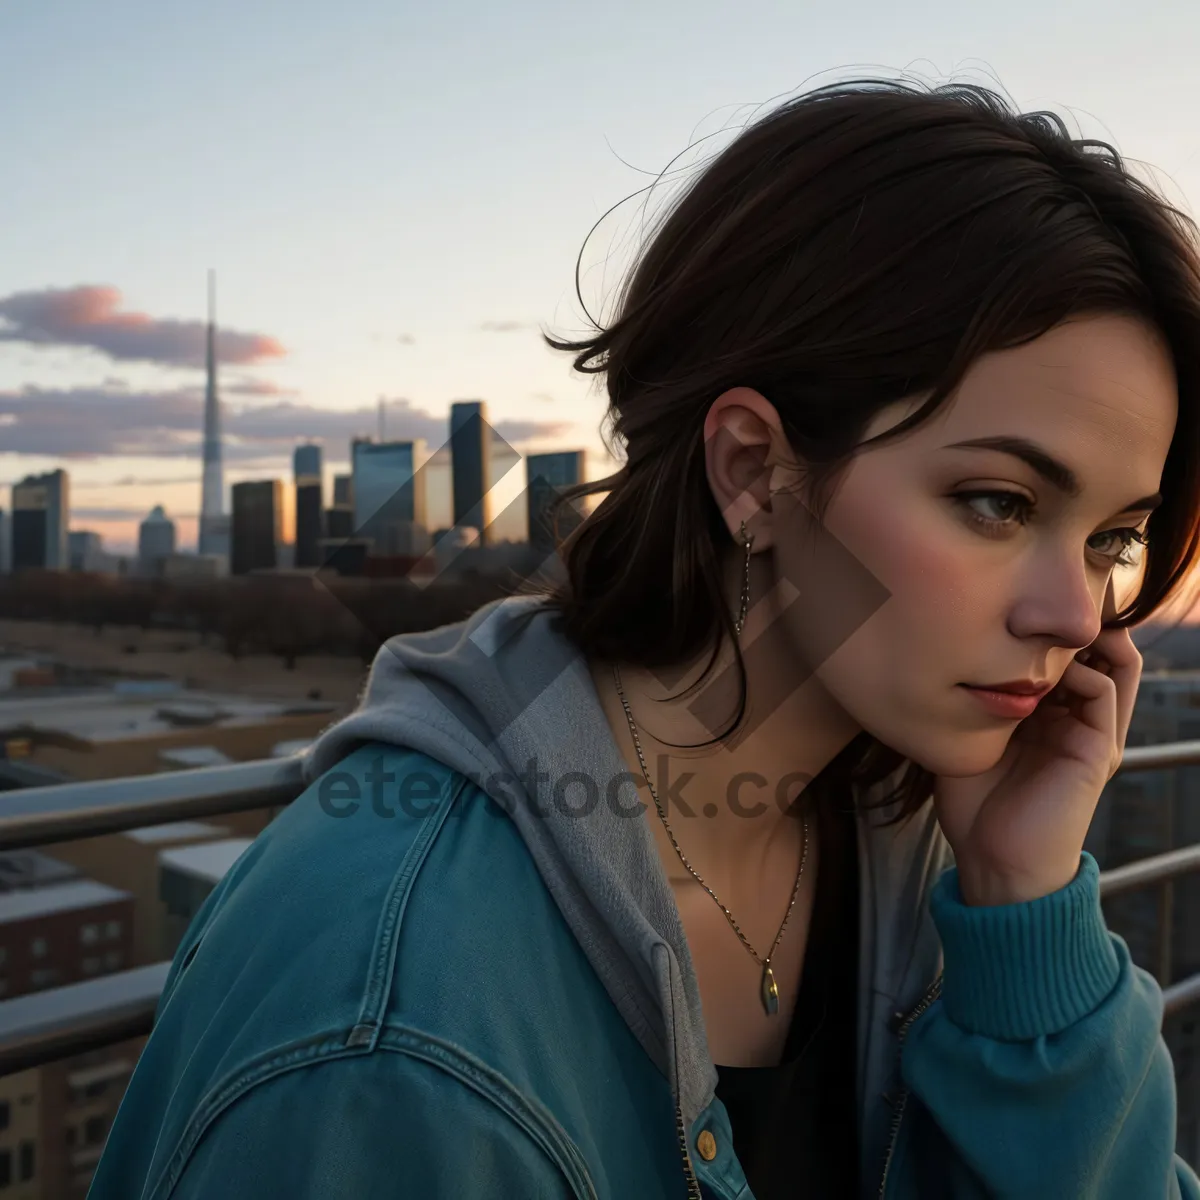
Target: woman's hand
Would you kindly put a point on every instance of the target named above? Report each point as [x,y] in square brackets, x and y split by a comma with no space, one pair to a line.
[1017,831]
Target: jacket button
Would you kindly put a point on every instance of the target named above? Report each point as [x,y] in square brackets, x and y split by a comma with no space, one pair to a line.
[707,1145]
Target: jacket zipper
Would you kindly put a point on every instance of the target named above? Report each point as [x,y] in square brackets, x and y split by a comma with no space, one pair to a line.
[933,992]
[693,1188]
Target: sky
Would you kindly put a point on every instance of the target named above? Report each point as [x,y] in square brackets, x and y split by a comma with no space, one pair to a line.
[394,198]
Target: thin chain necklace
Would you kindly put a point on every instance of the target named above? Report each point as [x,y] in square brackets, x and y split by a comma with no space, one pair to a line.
[769,990]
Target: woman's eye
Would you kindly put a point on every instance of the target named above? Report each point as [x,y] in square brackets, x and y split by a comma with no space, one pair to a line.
[996,507]
[1123,546]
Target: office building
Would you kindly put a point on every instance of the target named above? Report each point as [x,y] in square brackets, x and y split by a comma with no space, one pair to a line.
[546,476]
[41,512]
[339,518]
[306,462]
[187,874]
[20,1135]
[56,932]
[85,551]
[127,860]
[389,496]
[63,932]
[257,526]
[156,541]
[471,466]
[310,505]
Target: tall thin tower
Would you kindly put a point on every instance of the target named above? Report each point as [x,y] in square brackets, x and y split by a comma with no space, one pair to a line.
[214,527]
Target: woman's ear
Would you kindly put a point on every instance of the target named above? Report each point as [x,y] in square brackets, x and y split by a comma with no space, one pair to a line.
[744,451]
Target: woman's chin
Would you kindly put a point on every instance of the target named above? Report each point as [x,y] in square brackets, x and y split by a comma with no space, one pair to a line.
[961,757]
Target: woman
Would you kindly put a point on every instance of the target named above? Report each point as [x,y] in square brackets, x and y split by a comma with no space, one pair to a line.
[749,863]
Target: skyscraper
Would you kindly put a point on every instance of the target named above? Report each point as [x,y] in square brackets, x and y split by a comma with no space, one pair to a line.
[339,517]
[156,540]
[41,512]
[470,465]
[257,525]
[214,525]
[546,476]
[310,511]
[389,495]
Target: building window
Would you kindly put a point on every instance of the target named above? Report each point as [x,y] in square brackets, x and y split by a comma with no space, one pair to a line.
[46,977]
[3,955]
[93,1131]
[39,947]
[91,965]
[89,935]
[112,960]
[5,1168]
[3,1114]
[112,929]
[3,987]
[27,1162]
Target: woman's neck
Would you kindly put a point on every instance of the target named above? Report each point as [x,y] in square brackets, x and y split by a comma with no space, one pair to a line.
[727,802]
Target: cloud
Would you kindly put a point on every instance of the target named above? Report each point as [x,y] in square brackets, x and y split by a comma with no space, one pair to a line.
[87,423]
[137,481]
[545,397]
[254,387]
[505,326]
[90,317]
[406,339]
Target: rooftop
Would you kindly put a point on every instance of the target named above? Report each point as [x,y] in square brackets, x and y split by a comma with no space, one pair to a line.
[109,714]
[56,898]
[176,831]
[32,869]
[208,861]
[194,756]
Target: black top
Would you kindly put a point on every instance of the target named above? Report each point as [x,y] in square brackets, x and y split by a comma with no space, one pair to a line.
[795,1125]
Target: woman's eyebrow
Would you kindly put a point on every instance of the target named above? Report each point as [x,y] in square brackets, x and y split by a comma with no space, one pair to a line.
[1051,469]
[1032,455]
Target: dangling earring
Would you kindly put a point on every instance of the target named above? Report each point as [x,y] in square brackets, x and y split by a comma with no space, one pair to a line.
[747,541]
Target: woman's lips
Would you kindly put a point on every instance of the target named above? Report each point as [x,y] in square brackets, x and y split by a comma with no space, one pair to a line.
[1008,705]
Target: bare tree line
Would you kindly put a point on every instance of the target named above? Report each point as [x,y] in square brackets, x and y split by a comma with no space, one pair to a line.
[287,616]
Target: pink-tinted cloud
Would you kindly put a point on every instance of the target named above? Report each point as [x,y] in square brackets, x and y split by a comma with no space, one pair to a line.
[254,387]
[91,317]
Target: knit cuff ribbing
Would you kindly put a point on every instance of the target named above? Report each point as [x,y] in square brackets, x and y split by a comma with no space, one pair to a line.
[1015,972]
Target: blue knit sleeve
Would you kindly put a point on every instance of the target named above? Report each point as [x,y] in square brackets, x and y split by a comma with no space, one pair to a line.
[1043,1063]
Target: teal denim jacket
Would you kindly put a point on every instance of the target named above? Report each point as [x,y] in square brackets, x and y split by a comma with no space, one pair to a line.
[392,1007]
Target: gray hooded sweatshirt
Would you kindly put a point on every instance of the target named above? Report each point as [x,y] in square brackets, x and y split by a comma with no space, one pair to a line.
[503,690]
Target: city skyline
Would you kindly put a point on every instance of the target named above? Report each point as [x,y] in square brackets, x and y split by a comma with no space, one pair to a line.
[375,237]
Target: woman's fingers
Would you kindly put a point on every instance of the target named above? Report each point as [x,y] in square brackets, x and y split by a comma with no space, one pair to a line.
[1091,736]
[1114,655]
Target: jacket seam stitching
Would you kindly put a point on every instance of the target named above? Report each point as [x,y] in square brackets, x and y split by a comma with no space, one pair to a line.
[383,956]
[538,1125]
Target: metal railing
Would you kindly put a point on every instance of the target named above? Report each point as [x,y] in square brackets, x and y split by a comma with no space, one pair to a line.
[45,1026]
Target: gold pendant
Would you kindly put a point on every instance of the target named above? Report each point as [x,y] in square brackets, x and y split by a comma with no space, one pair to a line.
[770,993]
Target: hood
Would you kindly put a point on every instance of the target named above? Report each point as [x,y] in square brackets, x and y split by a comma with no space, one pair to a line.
[505,699]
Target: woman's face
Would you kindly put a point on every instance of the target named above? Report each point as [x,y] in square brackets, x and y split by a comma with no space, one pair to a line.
[977,564]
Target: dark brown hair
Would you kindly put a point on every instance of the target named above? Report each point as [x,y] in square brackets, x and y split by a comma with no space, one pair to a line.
[859,244]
